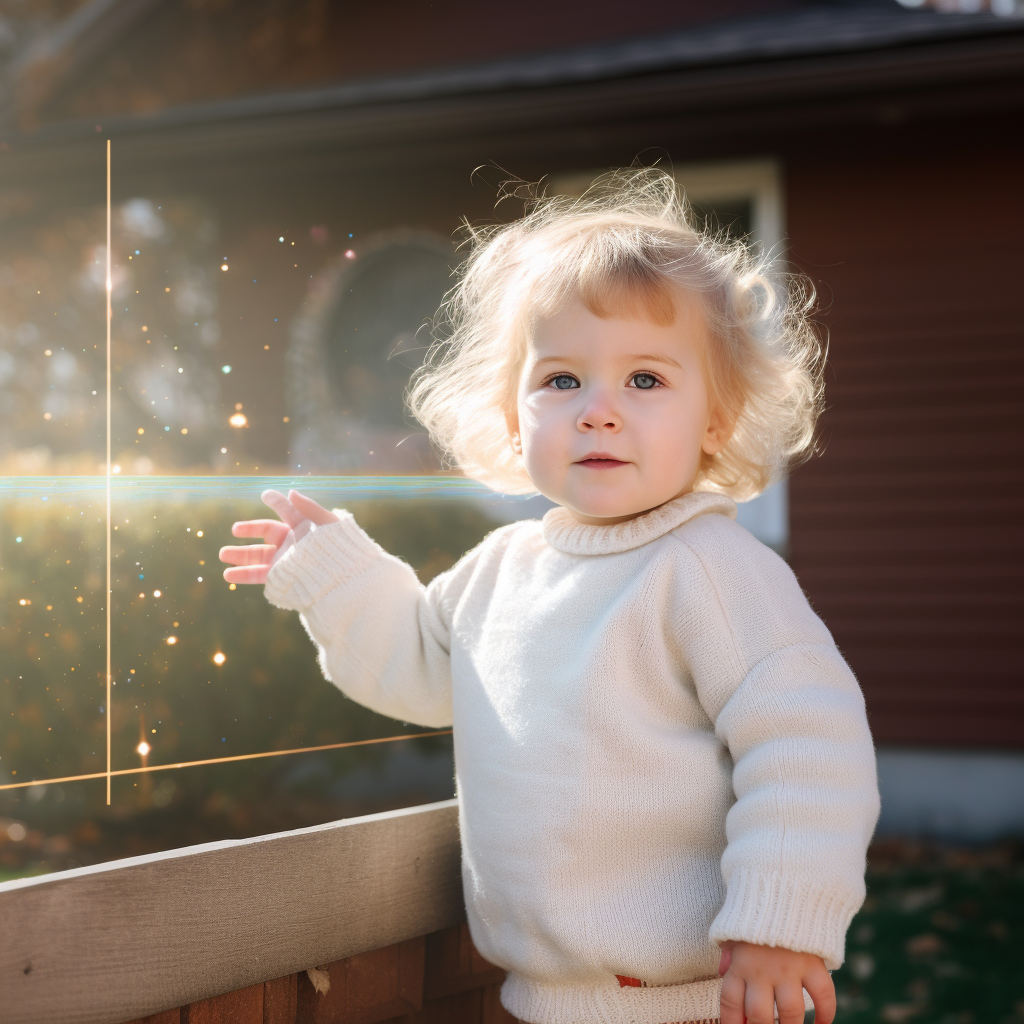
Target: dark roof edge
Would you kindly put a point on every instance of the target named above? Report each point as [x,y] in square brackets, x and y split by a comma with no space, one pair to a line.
[816,32]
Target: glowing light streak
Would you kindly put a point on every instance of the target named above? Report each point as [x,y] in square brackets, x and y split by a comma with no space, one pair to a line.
[224,760]
[338,489]
[110,314]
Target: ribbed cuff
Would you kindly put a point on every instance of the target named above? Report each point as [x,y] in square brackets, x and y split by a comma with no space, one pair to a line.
[326,557]
[775,910]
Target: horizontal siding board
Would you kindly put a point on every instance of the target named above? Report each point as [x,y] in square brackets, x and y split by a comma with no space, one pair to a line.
[980,547]
[905,530]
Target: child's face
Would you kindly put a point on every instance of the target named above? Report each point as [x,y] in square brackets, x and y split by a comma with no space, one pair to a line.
[626,389]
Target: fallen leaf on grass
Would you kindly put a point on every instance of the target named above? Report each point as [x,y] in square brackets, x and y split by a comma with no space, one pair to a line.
[897,1013]
[923,944]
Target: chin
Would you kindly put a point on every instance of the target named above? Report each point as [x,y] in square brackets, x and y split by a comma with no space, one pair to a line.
[607,510]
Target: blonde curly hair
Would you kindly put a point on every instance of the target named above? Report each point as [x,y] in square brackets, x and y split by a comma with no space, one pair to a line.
[626,247]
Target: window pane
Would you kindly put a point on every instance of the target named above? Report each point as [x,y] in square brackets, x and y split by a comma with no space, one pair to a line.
[246,354]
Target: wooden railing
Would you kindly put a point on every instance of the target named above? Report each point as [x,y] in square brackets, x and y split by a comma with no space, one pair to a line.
[224,933]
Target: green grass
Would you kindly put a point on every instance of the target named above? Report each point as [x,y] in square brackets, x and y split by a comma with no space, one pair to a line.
[939,940]
[28,871]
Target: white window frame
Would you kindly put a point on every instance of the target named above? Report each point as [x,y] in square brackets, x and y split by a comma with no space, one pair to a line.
[759,181]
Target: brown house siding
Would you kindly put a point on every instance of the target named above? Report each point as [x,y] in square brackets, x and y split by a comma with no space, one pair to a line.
[907,530]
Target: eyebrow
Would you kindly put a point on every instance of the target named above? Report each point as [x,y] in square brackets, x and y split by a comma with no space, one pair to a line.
[632,358]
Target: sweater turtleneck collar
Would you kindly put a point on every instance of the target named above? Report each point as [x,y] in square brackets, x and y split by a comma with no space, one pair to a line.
[561,531]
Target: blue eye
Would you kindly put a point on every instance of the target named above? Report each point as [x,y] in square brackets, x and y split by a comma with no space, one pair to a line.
[644,381]
[563,382]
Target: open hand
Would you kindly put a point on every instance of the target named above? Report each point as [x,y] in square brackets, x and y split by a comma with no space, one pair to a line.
[254,561]
[758,976]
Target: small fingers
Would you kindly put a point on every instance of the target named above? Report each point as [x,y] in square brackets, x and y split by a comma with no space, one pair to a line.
[250,554]
[725,960]
[271,530]
[789,1001]
[247,574]
[733,991]
[283,507]
[822,991]
[311,510]
[759,1003]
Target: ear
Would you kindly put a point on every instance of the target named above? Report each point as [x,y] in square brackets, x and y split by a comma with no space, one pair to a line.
[512,422]
[717,435]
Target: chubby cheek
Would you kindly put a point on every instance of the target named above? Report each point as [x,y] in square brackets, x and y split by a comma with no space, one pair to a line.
[543,442]
[540,452]
[672,451]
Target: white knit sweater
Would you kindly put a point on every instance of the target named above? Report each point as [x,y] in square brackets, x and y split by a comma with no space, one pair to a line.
[657,745]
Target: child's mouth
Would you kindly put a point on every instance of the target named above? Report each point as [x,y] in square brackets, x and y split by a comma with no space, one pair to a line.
[601,463]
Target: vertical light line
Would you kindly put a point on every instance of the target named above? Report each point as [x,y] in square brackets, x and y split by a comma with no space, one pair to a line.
[109,317]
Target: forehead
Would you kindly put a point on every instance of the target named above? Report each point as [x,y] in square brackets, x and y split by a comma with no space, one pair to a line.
[577,332]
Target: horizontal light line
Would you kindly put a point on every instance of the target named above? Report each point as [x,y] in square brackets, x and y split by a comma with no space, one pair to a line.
[227,488]
[224,760]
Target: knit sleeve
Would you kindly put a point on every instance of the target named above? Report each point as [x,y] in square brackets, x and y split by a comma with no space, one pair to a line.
[791,714]
[383,637]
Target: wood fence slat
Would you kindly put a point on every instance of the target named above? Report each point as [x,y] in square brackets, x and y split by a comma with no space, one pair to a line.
[459,1008]
[453,964]
[493,1011]
[367,988]
[167,1017]
[242,1007]
[280,1000]
[211,919]
[382,985]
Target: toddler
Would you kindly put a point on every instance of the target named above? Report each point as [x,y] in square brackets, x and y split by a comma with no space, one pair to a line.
[664,768]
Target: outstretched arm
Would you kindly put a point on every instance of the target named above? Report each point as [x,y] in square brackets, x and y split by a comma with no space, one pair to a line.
[382,636]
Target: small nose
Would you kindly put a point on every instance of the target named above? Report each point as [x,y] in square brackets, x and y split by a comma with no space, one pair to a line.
[599,411]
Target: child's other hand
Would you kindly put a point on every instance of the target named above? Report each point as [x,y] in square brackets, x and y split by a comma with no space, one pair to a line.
[254,561]
[757,976]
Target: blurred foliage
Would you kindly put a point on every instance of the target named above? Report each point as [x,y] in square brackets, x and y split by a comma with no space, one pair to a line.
[269,693]
[167,405]
[939,938]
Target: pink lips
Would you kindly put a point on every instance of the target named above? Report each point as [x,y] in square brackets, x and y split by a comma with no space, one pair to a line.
[600,460]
